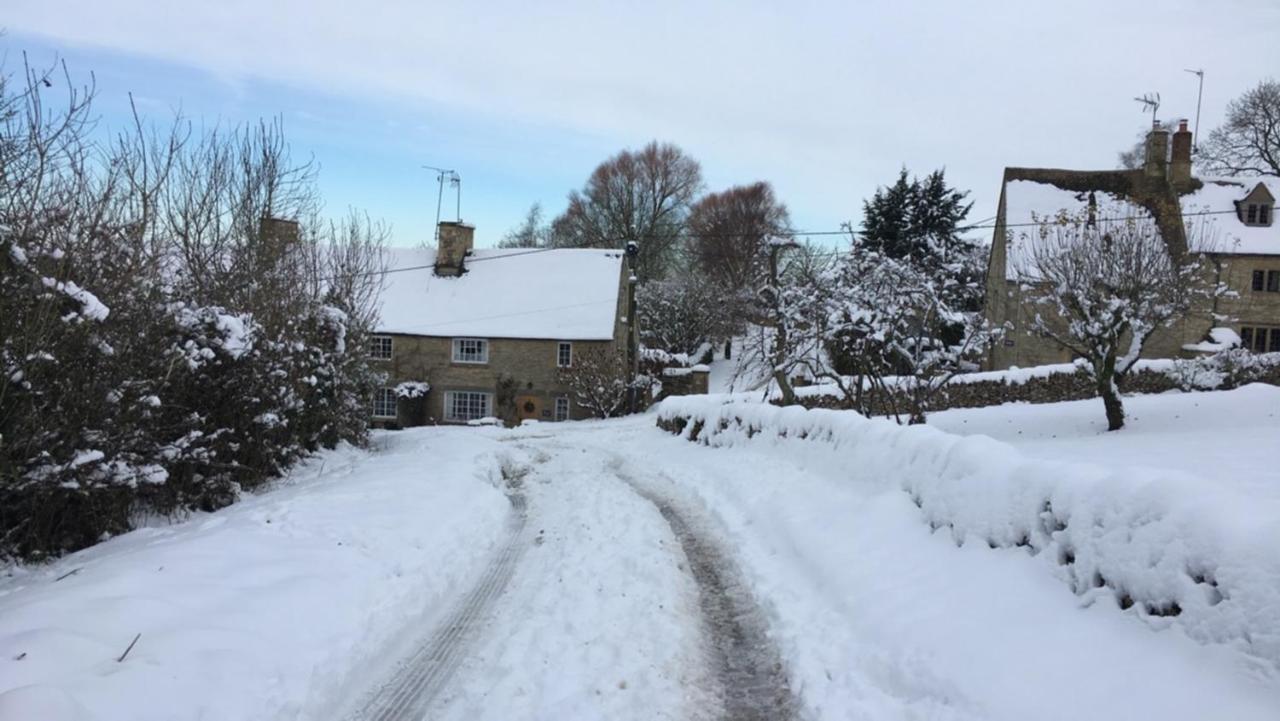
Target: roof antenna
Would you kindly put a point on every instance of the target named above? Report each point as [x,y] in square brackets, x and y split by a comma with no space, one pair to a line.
[455,181]
[1150,101]
[1195,144]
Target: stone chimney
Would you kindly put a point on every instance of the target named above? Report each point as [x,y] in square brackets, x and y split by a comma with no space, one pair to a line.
[278,231]
[1180,161]
[456,240]
[1157,152]
[277,235]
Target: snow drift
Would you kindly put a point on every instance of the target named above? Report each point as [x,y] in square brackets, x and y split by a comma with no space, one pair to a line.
[1167,548]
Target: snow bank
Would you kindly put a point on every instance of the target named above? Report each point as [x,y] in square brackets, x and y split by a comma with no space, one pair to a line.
[289,604]
[1171,549]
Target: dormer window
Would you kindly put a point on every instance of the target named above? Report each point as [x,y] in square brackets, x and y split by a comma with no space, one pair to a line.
[1258,207]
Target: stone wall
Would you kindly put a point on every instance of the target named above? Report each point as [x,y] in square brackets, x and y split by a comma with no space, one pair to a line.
[685,381]
[1067,384]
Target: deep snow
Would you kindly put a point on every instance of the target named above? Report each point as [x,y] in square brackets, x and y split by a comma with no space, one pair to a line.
[278,607]
[300,603]
[1228,439]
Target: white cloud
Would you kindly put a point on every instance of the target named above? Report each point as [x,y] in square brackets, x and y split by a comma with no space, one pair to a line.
[827,100]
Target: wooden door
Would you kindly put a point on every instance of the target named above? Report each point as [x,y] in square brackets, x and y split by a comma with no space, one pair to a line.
[528,407]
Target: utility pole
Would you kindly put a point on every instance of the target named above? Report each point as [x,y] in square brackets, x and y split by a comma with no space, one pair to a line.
[780,328]
[633,329]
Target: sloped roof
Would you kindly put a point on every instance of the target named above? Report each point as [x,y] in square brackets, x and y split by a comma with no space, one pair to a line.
[1028,202]
[559,294]
[1233,236]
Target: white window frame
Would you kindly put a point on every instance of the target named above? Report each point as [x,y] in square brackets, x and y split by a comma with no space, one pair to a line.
[377,341]
[458,356]
[451,397]
[561,347]
[380,396]
[562,401]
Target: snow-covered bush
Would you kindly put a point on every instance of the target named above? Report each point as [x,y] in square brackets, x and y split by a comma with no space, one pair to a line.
[165,340]
[873,318]
[1165,549]
[1223,370]
[601,382]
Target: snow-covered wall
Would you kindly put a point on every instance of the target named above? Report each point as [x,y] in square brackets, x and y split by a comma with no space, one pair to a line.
[1174,550]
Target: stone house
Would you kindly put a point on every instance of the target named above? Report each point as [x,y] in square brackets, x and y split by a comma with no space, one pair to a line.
[1228,222]
[468,334]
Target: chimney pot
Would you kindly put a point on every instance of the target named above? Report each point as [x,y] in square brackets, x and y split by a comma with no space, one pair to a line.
[1180,158]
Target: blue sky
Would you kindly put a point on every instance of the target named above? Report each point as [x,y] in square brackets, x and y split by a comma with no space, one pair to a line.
[825,100]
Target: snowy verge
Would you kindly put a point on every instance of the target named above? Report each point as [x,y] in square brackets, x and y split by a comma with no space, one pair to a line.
[289,604]
[1169,547]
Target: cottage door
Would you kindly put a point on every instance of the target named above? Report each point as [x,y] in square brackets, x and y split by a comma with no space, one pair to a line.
[528,407]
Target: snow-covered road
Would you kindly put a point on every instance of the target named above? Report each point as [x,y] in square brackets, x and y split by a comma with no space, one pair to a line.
[588,571]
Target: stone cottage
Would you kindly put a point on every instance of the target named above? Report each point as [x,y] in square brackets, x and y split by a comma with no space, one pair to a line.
[468,334]
[1230,222]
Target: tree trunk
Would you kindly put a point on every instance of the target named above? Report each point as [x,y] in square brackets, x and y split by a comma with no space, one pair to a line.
[728,349]
[1106,376]
[784,385]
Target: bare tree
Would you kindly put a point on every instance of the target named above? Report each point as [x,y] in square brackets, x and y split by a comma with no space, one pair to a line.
[639,195]
[599,381]
[1248,143]
[783,334]
[1103,287]
[1136,155]
[531,233]
[728,231]
[687,312]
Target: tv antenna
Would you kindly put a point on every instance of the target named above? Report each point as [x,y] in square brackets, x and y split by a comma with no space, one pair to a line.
[1195,144]
[1150,101]
[455,181]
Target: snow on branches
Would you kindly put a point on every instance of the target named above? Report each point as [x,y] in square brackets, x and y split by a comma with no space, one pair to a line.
[876,321]
[1101,284]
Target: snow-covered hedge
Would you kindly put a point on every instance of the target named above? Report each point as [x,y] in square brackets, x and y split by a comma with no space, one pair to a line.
[1173,550]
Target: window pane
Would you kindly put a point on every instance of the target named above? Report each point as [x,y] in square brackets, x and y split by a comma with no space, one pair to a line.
[564,355]
[1274,347]
[384,403]
[1263,212]
[562,409]
[467,405]
[1246,337]
[1273,281]
[470,350]
[380,347]
[1251,216]
[1259,278]
[1260,340]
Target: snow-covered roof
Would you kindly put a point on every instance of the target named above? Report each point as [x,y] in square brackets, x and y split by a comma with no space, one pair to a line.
[1028,202]
[560,294]
[1233,236]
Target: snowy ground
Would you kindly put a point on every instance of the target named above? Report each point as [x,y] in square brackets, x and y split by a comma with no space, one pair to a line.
[1228,438]
[654,578]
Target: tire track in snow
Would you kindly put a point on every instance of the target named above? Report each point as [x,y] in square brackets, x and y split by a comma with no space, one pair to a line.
[427,671]
[746,663]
